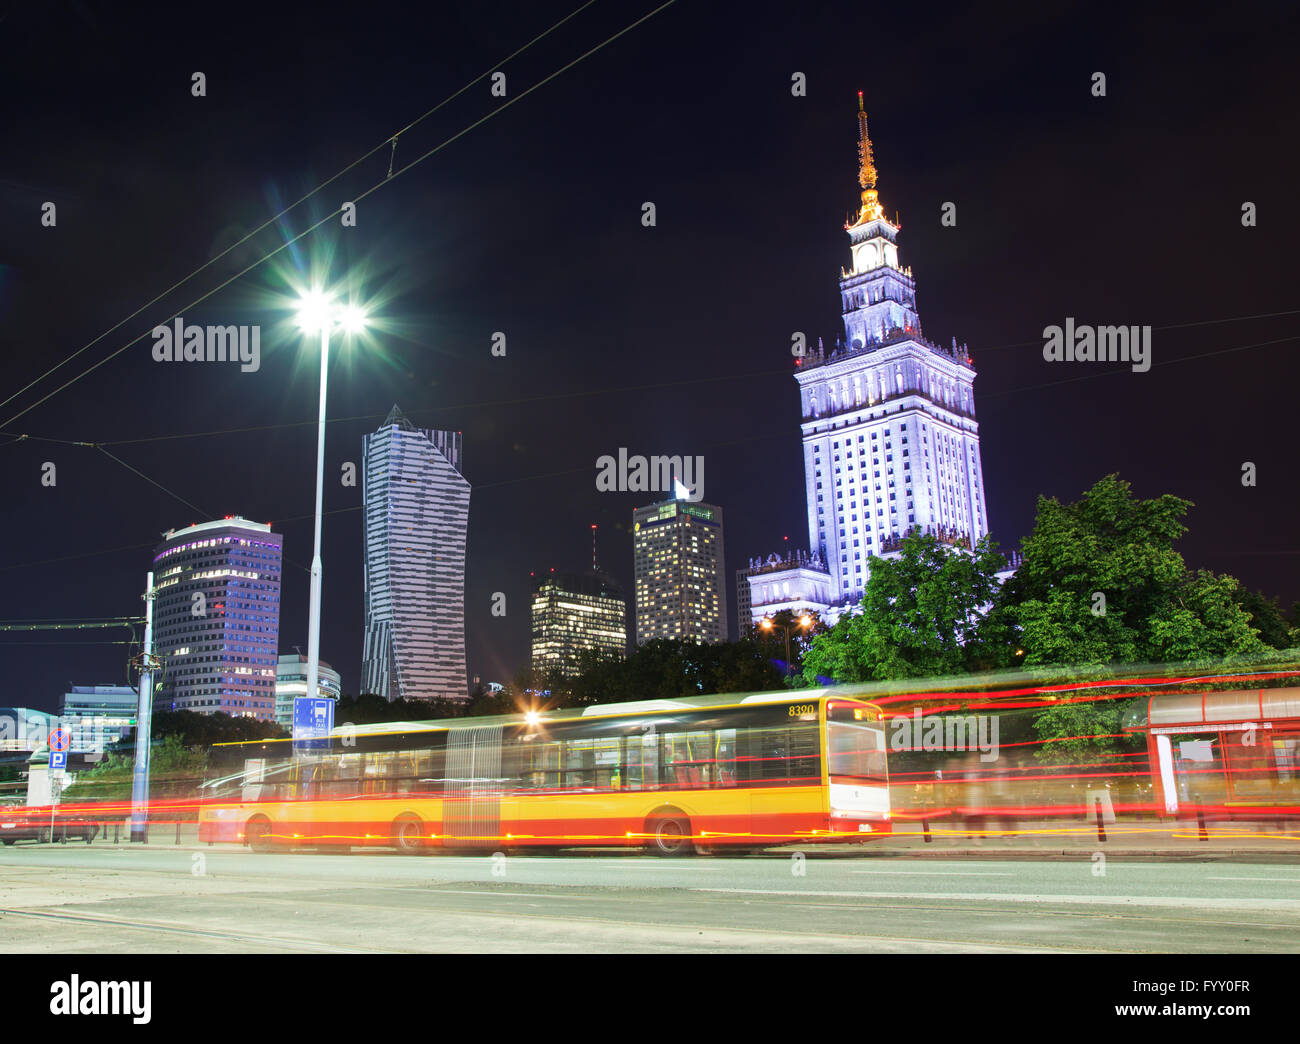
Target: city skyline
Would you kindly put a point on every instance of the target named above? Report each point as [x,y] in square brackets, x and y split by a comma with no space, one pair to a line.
[669,339]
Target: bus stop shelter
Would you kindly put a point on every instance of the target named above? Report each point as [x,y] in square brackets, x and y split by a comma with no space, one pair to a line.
[1231,752]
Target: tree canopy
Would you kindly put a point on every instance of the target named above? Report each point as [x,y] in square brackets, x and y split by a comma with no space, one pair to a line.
[926,612]
[1101,583]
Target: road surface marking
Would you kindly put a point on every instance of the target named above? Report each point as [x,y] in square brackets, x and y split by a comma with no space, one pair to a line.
[1014,897]
[934,873]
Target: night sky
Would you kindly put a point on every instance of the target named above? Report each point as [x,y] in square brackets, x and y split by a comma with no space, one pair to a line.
[667,340]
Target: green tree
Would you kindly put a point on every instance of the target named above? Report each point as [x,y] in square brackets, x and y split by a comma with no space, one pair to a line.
[929,612]
[1267,618]
[770,642]
[1084,730]
[667,668]
[369,709]
[194,729]
[1100,583]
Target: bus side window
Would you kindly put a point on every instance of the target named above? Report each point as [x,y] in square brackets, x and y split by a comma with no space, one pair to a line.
[725,757]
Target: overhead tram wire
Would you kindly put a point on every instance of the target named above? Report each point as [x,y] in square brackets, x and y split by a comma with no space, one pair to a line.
[153,482]
[17,437]
[333,214]
[292,206]
[601,392]
[529,478]
[1168,326]
[1112,373]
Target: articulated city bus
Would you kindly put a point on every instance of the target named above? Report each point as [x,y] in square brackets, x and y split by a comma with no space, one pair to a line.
[699,774]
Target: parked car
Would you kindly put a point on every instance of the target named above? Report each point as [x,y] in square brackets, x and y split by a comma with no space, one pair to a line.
[24,824]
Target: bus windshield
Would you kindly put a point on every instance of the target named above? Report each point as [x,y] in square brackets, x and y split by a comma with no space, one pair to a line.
[855,747]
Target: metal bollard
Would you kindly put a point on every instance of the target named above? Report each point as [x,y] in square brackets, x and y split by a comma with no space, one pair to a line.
[1101,828]
[925,830]
[1200,822]
[116,828]
[178,831]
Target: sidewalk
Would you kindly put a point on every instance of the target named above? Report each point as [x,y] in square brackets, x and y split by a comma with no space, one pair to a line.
[1074,839]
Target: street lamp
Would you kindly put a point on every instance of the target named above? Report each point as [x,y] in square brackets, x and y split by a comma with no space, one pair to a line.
[317,312]
[805,622]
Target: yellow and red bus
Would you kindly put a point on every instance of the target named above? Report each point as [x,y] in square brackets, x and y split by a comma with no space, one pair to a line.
[702,773]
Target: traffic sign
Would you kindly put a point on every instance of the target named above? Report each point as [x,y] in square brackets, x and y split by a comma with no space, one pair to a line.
[60,739]
[313,721]
[58,759]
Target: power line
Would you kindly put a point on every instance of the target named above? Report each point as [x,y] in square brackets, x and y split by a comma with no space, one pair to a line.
[575,470]
[152,482]
[1170,326]
[23,645]
[126,622]
[330,216]
[614,390]
[270,221]
[1112,373]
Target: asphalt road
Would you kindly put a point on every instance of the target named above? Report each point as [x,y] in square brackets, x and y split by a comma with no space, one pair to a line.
[109,899]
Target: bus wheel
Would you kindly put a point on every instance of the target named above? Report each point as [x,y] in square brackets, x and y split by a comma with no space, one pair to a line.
[670,836]
[408,835]
[8,841]
[258,834]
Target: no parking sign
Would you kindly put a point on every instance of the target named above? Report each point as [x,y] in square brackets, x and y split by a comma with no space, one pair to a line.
[60,741]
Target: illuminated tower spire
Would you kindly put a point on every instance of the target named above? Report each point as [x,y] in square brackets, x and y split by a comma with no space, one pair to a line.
[871,208]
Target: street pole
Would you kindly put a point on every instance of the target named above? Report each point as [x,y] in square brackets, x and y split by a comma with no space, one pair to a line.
[55,793]
[143,726]
[313,621]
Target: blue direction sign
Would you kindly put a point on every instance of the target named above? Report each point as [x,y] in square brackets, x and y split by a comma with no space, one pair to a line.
[313,721]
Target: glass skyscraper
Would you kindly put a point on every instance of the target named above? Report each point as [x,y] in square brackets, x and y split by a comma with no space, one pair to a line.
[575,613]
[416,504]
[681,588]
[217,617]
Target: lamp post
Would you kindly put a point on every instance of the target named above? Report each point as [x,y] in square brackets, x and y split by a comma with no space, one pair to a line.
[316,312]
[805,622]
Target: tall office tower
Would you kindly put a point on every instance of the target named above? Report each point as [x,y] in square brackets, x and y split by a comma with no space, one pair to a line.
[217,617]
[416,504]
[744,600]
[681,587]
[888,419]
[575,613]
[291,683]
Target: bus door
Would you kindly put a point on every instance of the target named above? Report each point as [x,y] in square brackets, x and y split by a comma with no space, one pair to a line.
[471,807]
[781,762]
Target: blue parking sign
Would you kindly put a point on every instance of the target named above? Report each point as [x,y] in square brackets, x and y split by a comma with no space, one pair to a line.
[58,759]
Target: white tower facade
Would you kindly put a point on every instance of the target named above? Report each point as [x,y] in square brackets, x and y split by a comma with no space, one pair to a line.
[890,438]
[416,505]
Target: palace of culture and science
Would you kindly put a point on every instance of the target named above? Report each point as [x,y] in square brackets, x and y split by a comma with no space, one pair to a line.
[890,441]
